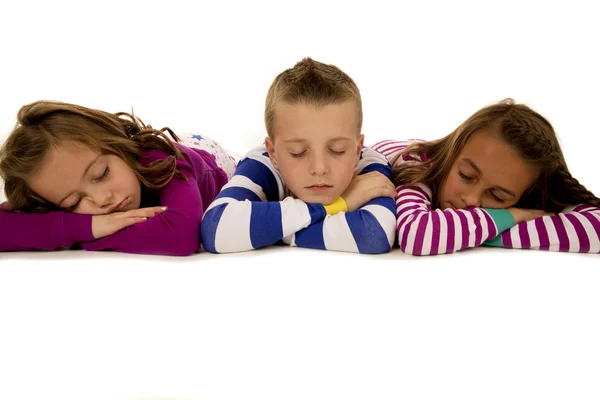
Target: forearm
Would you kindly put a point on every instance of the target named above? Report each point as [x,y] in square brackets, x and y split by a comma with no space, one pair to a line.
[20,231]
[369,230]
[575,230]
[239,225]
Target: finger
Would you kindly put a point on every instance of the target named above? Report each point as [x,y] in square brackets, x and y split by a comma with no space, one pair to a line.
[387,185]
[145,212]
[154,209]
[132,221]
[384,178]
[384,192]
[371,175]
[122,223]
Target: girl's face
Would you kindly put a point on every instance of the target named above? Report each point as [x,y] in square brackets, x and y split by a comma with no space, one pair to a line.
[488,172]
[82,180]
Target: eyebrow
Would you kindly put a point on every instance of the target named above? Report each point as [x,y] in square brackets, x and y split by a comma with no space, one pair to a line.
[335,139]
[476,168]
[84,174]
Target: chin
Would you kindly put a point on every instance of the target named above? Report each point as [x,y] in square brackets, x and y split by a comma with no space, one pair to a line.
[316,199]
[445,205]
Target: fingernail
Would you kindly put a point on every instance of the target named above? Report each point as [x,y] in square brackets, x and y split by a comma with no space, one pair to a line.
[164,208]
[143,218]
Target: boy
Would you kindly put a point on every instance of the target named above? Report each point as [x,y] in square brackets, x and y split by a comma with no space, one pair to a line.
[312,184]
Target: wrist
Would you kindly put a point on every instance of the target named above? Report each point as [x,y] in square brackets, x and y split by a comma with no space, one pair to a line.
[516,213]
[339,205]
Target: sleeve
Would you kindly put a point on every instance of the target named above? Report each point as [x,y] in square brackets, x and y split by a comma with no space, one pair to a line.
[576,229]
[423,231]
[251,212]
[369,230]
[20,231]
[175,232]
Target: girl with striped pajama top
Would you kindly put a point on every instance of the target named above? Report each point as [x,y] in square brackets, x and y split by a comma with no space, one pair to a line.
[499,179]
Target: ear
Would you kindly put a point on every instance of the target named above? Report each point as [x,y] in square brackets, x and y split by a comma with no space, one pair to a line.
[361,141]
[271,151]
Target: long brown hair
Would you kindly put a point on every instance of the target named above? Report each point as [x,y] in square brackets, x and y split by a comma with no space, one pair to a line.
[45,124]
[530,134]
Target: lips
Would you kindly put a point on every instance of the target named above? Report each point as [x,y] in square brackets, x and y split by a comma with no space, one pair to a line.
[319,187]
[119,206]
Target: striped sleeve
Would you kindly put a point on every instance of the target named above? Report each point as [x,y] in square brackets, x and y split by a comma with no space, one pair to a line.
[576,230]
[389,148]
[251,212]
[423,231]
[368,230]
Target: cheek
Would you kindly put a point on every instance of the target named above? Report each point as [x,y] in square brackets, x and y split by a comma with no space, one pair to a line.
[345,169]
[135,182]
[87,207]
[342,172]
[127,179]
[123,174]
[288,163]
[132,187]
[293,172]
[290,166]
[449,189]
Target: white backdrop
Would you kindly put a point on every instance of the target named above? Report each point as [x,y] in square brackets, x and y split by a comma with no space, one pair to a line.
[275,324]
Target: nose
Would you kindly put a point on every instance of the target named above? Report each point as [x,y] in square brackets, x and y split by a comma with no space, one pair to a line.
[102,197]
[471,199]
[318,164]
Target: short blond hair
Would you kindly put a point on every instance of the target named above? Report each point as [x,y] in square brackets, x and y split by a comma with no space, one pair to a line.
[315,83]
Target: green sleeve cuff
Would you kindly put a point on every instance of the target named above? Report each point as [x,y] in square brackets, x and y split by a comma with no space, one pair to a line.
[495,242]
[502,218]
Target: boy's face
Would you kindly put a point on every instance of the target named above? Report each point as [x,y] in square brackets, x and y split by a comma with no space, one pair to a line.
[315,149]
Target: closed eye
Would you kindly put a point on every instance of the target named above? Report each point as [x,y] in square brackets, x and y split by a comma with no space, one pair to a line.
[104,174]
[74,206]
[337,153]
[465,177]
[98,179]
[298,155]
[498,199]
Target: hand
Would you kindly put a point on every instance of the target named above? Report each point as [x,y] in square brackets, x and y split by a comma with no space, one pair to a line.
[366,187]
[525,214]
[107,224]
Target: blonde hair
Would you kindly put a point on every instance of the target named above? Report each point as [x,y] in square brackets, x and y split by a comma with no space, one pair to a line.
[530,134]
[313,83]
[45,124]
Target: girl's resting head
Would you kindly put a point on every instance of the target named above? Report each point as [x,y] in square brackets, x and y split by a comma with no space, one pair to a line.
[502,156]
[65,156]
